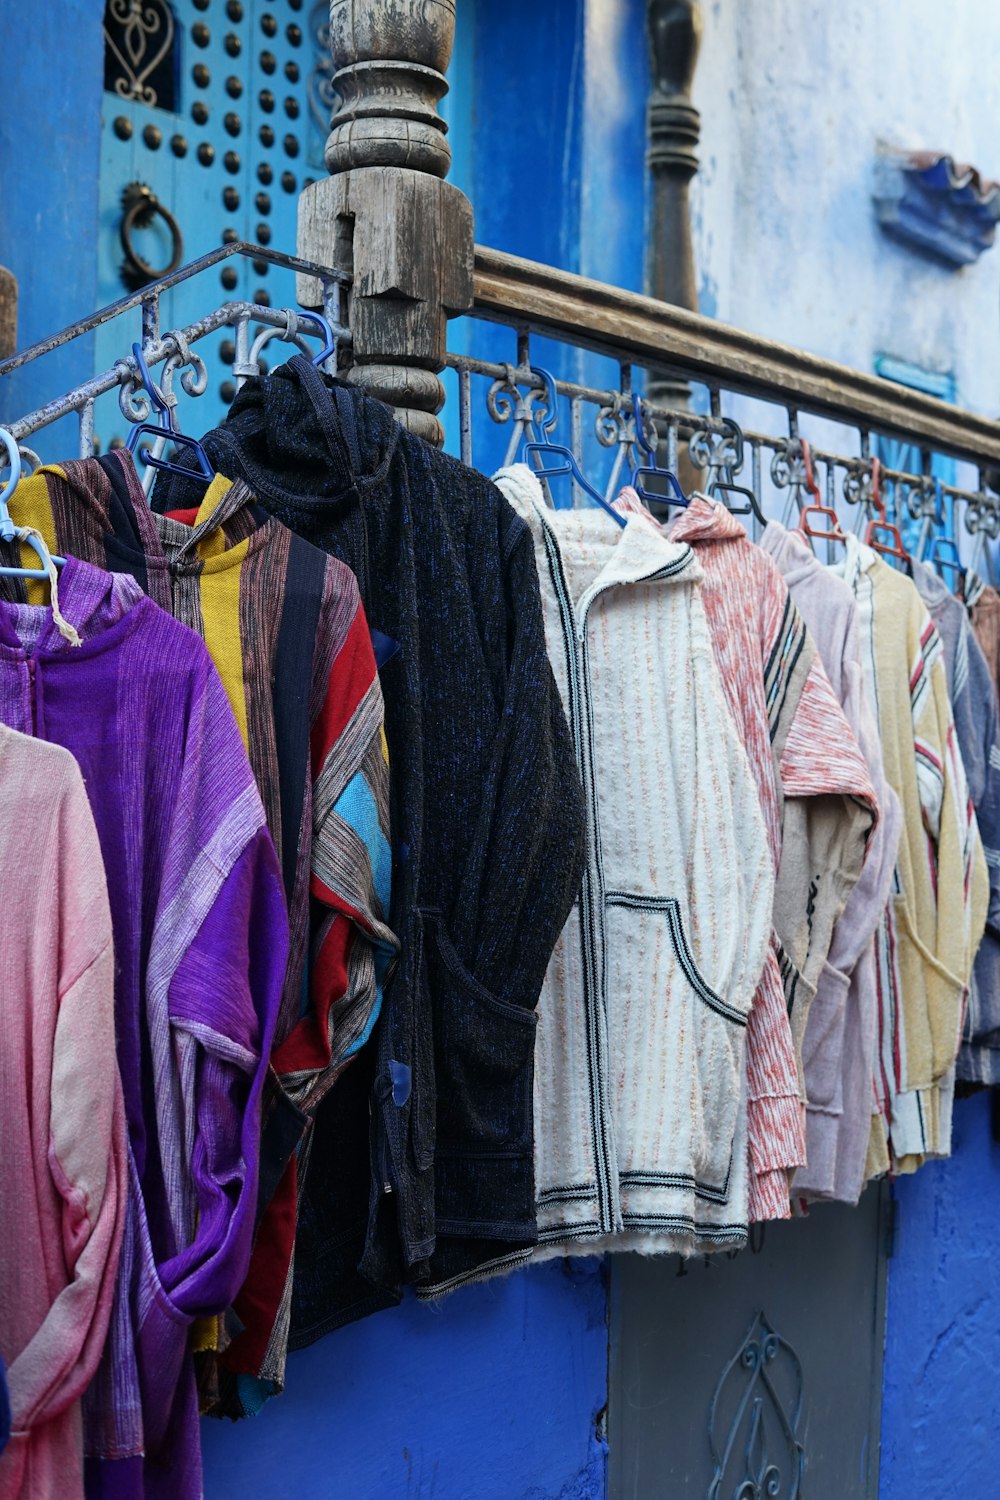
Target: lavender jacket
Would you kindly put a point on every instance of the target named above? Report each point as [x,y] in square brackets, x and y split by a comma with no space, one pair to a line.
[200,937]
[839,1045]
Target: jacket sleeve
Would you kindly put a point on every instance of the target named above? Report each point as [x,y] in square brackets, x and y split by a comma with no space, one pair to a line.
[353,948]
[87,1149]
[527,850]
[223,1003]
[829,814]
[861,914]
[961,880]
[215,976]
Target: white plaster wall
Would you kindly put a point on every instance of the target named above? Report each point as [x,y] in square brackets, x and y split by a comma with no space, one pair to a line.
[794,97]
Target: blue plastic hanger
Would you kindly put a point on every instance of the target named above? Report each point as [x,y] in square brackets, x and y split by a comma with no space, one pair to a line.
[943,551]
[167,427]
[330,347]
[653,470]
[9,529]
[944,554]
[568,464]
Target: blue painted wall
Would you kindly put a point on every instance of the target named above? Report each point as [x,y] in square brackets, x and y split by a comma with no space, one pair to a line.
[939,1419]
[50,143]
[496,1394]
[547,119]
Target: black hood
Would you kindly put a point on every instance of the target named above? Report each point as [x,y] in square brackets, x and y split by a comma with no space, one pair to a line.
[299,440]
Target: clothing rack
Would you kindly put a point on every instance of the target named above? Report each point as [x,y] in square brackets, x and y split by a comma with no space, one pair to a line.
[729,365]
[711,442]
[172,348]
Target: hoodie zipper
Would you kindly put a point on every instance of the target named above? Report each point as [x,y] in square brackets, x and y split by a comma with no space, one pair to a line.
[32,700]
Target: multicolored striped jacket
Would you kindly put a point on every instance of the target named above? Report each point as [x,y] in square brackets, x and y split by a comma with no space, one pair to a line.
[934,920]
[285,627]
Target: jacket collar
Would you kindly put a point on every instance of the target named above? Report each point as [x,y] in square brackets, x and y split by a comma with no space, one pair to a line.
[90,599]
[933,590]
[790,551]
[299,441]
[705,520]
[858,559]
[702,520]
[640,551]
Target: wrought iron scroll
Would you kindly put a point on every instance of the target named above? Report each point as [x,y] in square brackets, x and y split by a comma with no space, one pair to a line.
[716,449]
[140,62]
[755,1418]
[253,326]
[320,92]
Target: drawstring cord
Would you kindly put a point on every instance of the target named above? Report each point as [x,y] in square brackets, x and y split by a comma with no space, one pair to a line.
[66,630]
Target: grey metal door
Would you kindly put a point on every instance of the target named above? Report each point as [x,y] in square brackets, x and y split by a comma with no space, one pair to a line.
[753,1376]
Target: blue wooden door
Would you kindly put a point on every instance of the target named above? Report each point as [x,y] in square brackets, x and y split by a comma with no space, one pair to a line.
[220,109]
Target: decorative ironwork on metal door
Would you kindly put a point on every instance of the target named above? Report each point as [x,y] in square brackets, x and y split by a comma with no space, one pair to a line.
[140,56]
[754,1420]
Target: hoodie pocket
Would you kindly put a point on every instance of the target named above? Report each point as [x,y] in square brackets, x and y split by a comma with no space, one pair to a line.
[483,1057]
[675,1048]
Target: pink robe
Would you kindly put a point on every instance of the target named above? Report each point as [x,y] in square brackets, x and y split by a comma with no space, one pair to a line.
[63,1165]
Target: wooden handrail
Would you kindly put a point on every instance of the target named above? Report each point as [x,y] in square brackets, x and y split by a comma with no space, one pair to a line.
[640,330]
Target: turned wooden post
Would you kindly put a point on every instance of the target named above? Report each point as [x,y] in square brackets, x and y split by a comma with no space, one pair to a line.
[385,213]
[673,125]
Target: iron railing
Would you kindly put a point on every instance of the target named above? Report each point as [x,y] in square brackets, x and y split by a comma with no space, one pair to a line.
[786,388]
[173,348]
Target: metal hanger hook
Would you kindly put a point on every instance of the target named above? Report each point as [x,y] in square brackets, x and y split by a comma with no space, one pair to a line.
[549,402]
[330,342]
[7,527]
[158,402]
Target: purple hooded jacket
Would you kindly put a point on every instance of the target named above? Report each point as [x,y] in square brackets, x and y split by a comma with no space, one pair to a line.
[201,935]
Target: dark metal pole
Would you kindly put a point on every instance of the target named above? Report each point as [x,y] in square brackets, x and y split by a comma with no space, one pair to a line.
[674,126]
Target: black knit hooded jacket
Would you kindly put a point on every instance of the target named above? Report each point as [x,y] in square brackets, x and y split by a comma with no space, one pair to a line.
[487,826]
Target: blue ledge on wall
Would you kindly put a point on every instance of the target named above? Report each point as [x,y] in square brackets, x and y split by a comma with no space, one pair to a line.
[927,201]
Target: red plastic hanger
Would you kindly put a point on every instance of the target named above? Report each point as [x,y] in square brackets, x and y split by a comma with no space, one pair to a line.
[880,524]
[833,532]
